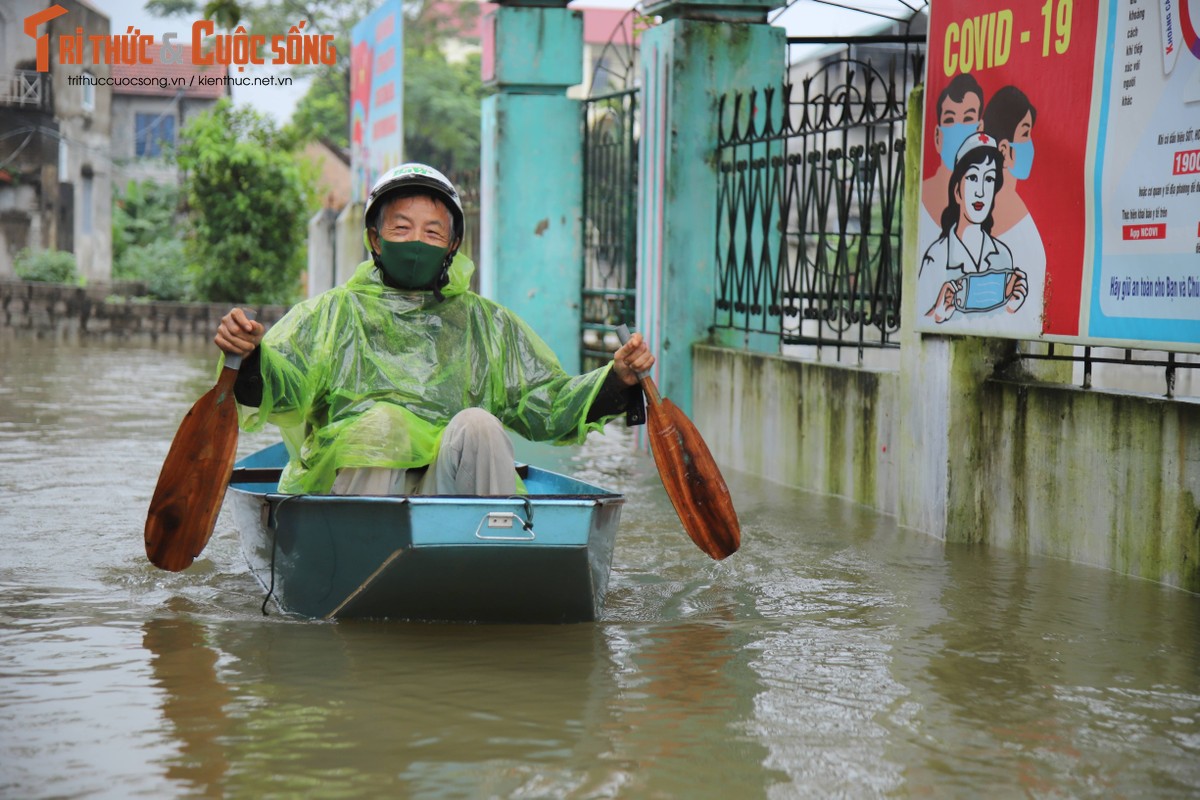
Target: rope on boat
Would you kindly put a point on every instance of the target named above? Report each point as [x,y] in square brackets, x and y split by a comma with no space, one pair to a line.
[273,524]
[526,523]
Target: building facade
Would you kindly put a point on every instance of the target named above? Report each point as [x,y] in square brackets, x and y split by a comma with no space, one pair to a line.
[55,137]
[151,104]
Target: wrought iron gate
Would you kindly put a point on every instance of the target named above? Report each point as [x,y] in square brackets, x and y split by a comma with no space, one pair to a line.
[809,234]
[609,221]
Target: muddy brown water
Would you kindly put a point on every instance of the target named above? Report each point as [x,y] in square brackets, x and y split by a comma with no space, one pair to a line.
[835,655]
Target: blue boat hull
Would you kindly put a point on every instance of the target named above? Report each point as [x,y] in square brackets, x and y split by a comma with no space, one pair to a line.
[465,559]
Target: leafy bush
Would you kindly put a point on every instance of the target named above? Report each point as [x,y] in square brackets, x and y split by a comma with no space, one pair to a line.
[49,266]
[161,266]
[146,249]
[145,212]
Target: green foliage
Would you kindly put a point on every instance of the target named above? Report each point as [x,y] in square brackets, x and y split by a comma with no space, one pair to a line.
[323,112]
[441,99]
[143,213]
[160,266]
[250,200]
[47,266]
[147,248]
[442,106]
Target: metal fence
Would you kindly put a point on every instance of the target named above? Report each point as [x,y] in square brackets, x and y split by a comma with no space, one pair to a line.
[808,233]
[610,167]
[1171,374]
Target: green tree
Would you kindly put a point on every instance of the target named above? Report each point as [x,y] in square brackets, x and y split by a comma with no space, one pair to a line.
[144,212]
[249,201]
[323,111]
[442,103]
[441,99]
[146,245]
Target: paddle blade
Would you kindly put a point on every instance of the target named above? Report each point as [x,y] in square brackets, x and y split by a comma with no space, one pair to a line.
[693,481]
[194,476]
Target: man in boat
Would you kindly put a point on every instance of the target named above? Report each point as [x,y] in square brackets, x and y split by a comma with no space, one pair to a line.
[402,381]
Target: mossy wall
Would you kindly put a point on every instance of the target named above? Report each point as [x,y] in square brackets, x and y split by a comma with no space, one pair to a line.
[1106,479]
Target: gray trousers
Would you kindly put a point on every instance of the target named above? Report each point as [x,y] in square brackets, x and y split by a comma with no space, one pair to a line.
[475,457]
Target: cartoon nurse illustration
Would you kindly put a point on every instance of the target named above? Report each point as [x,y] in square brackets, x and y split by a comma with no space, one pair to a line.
[972,271]
[959,110]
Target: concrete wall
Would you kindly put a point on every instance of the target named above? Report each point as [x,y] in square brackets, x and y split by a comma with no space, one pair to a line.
[58,191]
[818,427]
[47,309]
[1107,479]
[127,165]
[86,143]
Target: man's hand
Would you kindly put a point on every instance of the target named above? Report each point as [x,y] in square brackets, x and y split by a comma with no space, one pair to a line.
[633,357]
[237,335]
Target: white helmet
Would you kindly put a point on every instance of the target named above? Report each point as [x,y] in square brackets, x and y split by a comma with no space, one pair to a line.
[415,176]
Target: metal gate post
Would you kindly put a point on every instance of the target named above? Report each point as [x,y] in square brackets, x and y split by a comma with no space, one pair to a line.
[702,50]
[531,186]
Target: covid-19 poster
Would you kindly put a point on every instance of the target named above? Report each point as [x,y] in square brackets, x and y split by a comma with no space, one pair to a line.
[1060,186]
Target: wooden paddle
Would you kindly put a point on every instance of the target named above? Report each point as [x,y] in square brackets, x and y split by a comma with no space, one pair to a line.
[689,473]
[194,476]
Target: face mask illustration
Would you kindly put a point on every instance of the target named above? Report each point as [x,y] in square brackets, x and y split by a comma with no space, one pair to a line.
[952,138]
[1022,159]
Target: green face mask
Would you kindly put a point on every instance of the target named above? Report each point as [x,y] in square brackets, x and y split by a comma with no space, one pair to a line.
[411,265]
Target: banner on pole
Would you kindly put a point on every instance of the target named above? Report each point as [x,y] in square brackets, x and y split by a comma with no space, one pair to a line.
[376,97]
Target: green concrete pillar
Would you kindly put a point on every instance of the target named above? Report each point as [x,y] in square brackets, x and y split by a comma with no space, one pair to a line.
[531,183]
[702,50]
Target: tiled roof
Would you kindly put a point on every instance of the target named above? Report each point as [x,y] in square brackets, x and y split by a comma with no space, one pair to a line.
[599,24]
[151,76]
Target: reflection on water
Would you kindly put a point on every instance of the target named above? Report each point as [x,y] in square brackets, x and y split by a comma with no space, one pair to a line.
[835,655]
[194,700]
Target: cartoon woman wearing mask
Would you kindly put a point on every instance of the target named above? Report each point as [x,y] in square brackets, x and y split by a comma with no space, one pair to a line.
[966,269]
[1010,118]
[959,111]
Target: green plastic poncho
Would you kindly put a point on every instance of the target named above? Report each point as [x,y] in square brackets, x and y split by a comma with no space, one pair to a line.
[365,375]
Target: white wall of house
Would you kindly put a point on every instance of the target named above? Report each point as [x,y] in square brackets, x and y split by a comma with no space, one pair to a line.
[160,167]
[59,193]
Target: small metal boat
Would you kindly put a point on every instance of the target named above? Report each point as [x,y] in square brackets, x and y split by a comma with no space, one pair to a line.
[540,557]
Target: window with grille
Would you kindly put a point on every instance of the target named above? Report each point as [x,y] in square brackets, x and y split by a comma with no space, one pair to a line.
[154,134]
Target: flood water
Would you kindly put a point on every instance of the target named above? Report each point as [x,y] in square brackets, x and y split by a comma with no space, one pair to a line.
[835,655]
